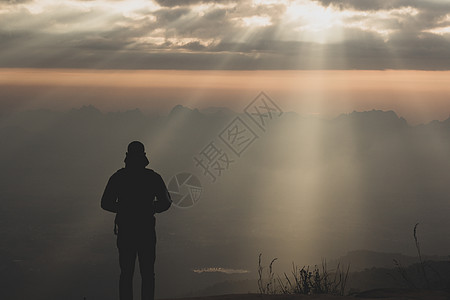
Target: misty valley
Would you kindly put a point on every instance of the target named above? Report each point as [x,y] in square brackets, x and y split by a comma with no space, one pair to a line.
[348,189]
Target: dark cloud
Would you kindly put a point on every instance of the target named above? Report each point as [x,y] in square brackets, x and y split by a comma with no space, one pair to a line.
[371,5]
[14,1]
[173,3]
[402,52]
[194,46]
[100,43]
[166,16]
[368,4]
[179,36]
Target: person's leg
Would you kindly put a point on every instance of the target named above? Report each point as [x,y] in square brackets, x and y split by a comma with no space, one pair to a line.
[127,260]
[147,255]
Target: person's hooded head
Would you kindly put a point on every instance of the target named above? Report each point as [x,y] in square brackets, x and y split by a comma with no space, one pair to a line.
[135,156]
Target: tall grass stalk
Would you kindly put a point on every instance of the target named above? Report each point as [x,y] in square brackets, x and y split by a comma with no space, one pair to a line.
[422,264]
[269,285]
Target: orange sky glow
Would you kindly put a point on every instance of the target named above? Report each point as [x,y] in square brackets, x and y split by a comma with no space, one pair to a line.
[418,96]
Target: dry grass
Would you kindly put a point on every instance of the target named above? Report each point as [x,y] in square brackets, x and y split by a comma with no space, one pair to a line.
[303,281]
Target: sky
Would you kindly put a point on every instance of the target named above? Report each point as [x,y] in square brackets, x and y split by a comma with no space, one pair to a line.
[226,34]
[49,38]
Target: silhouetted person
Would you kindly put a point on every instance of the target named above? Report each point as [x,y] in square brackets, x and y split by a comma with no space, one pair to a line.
[135,194]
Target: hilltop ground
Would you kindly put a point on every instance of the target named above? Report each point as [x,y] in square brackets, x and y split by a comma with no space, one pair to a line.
[386,294]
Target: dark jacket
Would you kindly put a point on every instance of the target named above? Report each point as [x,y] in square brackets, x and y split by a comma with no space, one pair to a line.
[135,194]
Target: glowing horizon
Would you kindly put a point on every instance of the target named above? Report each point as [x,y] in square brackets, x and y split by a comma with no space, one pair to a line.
[418,96]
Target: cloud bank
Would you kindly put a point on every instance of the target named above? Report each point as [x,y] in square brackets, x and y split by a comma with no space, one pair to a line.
[228,34]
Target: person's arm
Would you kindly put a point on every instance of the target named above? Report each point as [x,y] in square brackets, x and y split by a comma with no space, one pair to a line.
[109,198]
[162,201]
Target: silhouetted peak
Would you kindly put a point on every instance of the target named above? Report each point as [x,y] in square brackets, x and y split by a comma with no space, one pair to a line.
[86,110]
[179,110]
[447,121]
[436,124]
[375,113]
[361,259]
[374,118]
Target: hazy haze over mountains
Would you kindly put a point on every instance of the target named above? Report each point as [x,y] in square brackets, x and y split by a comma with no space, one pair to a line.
[307,188]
